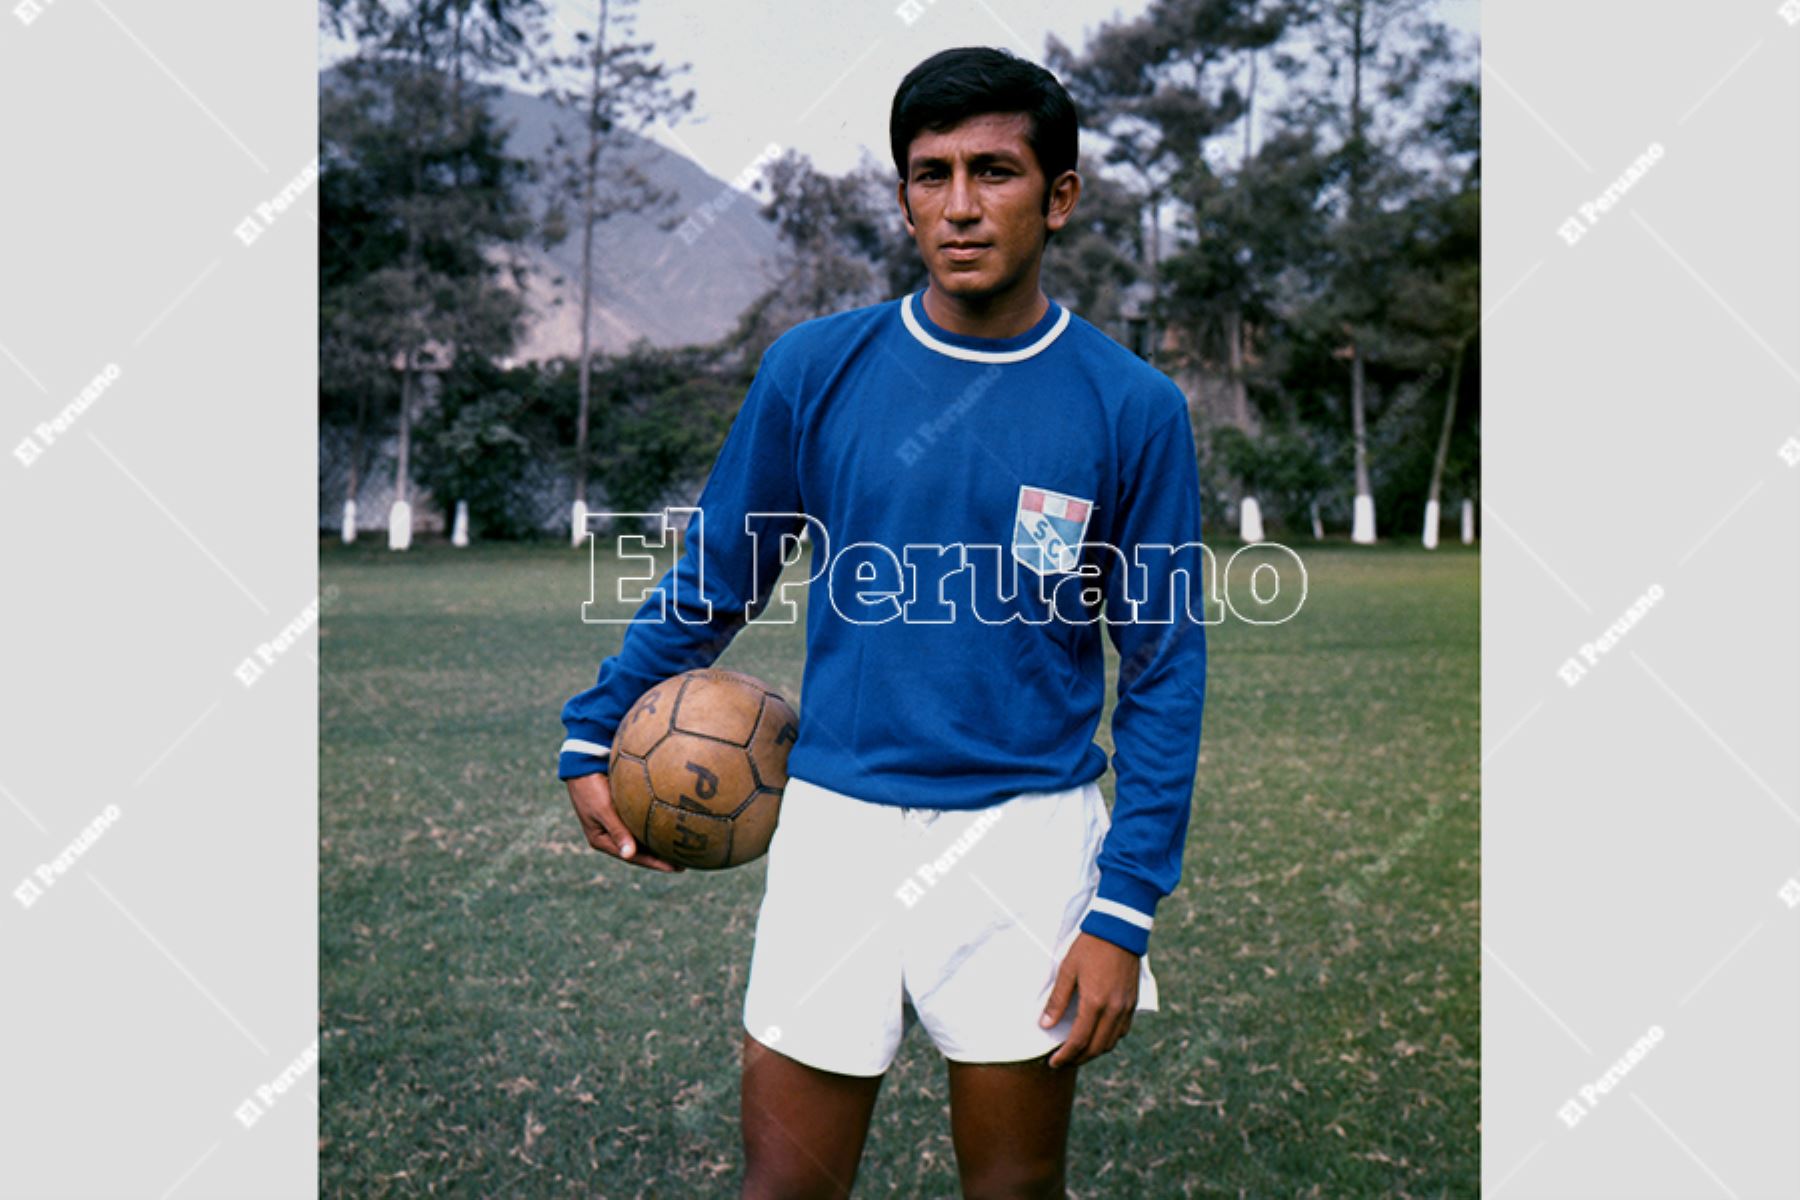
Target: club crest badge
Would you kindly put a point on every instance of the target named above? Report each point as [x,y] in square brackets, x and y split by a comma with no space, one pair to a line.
[1048,528]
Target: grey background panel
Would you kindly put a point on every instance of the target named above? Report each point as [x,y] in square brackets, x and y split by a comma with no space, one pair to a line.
[1640,823]
[150,546]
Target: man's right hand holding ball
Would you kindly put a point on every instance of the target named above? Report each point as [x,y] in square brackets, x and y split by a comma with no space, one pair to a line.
[592,797]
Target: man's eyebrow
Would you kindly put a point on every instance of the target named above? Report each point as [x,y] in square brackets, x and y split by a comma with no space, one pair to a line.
[979,158]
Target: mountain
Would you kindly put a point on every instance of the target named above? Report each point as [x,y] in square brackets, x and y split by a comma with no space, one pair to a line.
[661,285]
[669,287]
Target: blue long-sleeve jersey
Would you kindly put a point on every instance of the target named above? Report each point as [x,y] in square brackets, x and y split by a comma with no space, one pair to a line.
[979,509]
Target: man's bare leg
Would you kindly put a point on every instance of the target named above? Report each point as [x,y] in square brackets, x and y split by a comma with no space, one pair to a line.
[1010,1126]
[803,1128]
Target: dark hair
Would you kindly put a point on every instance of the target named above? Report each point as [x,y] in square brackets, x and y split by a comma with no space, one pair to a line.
[973,81]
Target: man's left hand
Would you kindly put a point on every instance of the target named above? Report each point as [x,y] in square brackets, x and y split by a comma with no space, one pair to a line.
[1107,976]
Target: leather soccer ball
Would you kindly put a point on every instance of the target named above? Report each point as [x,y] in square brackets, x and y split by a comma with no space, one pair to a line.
[698,767]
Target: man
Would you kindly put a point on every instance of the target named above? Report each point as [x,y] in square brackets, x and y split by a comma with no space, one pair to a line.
[991,471]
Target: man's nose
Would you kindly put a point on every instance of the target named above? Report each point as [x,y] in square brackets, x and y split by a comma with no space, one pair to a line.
[963,205]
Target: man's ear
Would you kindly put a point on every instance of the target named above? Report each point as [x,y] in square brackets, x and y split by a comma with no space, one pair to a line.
[905,207]
[1063,195]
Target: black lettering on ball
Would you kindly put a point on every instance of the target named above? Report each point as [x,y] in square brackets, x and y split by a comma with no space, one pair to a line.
[706,783]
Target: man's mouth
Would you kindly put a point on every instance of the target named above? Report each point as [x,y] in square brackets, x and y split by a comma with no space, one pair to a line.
[963,251]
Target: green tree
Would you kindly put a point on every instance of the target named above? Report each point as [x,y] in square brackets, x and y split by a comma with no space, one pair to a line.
[840,240]
[1429,320]
[1457,127]
[1378,53]
[420,206]
[1158,89]
[666,416]
[1284,469]
[1302,238]
[485,441]
[626,90]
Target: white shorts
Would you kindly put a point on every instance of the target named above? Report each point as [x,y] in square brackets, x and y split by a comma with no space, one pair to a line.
[876,917]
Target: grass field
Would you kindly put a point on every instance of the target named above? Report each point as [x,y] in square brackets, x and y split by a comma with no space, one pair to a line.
[506,1013]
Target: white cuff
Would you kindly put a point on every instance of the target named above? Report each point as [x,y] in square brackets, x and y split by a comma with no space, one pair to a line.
[1113,908]
[577,746]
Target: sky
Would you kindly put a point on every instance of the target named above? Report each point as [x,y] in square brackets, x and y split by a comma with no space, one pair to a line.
[818,75]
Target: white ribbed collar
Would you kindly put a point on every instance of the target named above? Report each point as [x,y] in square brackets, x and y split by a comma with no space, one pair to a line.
[913,327]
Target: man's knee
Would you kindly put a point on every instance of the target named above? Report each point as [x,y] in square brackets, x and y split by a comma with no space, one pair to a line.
[778,1166]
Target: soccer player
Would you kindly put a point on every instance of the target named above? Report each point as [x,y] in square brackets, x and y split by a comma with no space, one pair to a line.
[989,481]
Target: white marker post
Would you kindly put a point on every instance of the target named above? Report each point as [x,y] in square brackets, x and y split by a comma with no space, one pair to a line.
[578,514]
[1362,528]
[1250,525]
[348,532]
[459,531]
[400,526]
[1468,523]
[1432,517]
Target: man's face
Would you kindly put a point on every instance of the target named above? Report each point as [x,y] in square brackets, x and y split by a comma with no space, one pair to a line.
[976,198]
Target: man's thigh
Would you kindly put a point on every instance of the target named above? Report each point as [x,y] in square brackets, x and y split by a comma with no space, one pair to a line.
[1010,1126]
[803,1128]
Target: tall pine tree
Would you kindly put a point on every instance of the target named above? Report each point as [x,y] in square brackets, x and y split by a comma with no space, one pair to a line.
[420,206]
[624,90]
